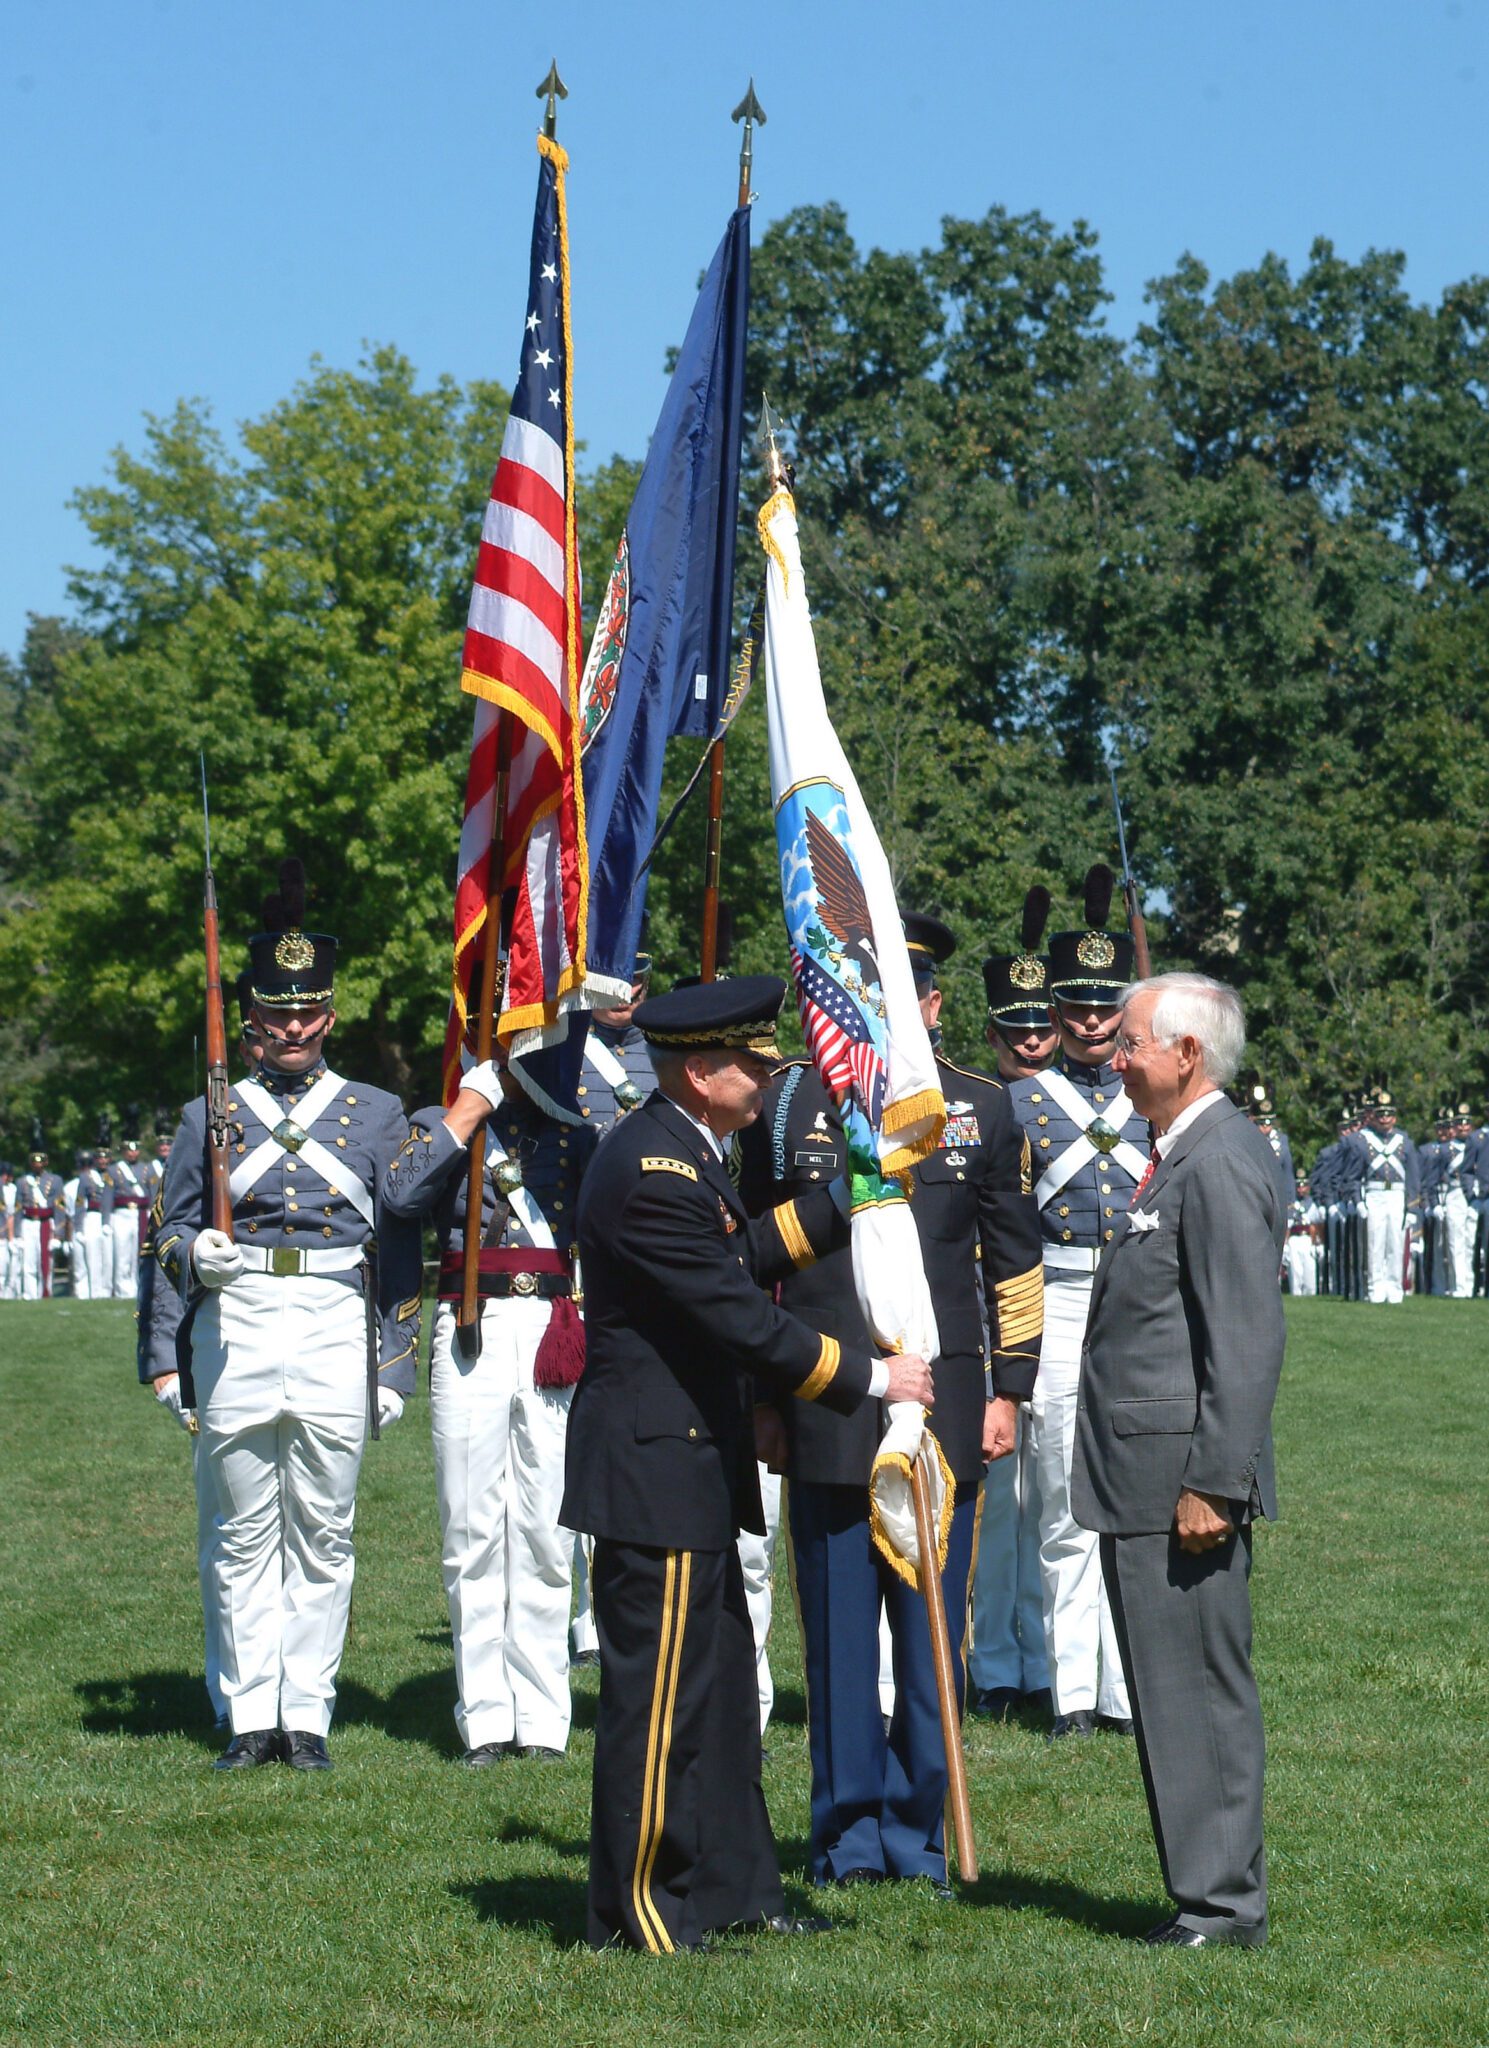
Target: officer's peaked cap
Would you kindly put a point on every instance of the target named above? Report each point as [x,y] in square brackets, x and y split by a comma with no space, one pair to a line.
[716,1016]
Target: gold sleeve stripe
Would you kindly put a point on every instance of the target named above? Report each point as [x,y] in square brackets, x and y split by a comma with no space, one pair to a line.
[793,1237]
[408,1308]
[823,1373]
[1020,1304]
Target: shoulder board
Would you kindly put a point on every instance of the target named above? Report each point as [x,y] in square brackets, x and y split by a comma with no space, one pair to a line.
[651,1164]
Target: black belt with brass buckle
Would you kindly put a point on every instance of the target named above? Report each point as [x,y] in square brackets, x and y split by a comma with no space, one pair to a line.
[525,1286]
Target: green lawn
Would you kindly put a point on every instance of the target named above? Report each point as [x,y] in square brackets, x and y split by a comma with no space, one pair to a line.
[402,1900]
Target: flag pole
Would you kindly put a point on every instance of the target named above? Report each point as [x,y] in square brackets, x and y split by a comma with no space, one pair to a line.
[749,111]
[468,1313]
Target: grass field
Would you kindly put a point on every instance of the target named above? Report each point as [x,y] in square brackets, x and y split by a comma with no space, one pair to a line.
[401,1900]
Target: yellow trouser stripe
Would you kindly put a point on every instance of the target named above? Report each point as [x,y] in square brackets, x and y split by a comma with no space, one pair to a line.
[679,1571]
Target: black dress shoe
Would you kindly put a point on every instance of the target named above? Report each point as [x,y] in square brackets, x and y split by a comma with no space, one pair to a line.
[586,1660]
[794,1923]
[997,1703]
[256,1746]
[486,1753]
[1036,1706]
[1174,1934]
[307,1752]
[861,1873]
[1114,1724]
[541,1752]
[1078,1723]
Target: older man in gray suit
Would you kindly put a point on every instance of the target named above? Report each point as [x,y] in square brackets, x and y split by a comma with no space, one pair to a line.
[1173,1447]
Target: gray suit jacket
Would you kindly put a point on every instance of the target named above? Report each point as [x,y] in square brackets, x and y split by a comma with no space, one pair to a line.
[1184,1343]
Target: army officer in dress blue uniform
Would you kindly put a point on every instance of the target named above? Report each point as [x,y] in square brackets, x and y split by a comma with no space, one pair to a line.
[662,1469]
[291,1335]
[500,1406]
[877,1797]
[1089,1148]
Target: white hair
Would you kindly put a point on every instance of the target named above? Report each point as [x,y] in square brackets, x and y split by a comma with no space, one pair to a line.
[1194,1006]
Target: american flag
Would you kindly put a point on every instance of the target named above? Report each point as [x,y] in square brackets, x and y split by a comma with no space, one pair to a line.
[521,659]
[838,1034]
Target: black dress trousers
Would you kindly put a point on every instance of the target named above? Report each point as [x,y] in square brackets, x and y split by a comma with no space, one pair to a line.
[682,1842]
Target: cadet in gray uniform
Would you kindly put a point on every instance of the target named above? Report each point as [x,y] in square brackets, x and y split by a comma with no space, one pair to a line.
[1090,1149]
[92,1225]
[39,1200]
[1009,1667]
[617,1077]
[1392,1194]
[280,1320]
[131,1207]
[501,1406]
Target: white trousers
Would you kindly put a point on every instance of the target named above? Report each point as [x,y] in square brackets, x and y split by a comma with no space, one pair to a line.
[124,1245]
[29,1228]
[1300,1257]
[506,1559]
[208,1577]
[11,1263]
[757,1559]
[1460,1220]
[1085,1666]
[92,1259]
[1385,1243]
[584,1637]
[1007,1604]
[280,1367]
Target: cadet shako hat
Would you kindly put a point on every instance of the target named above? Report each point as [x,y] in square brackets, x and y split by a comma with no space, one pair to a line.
[929,943]
[1017,984]
[716,1016]
[1094,965]
[291,967]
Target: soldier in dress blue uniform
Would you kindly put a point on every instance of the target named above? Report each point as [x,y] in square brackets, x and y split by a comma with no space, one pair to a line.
[662,1469]
[500,1406]
[1090,1150]
[292,1334]
[1392,1195]
[1347,1185]
[1008,1667]
[1432,1164]
[878,1796]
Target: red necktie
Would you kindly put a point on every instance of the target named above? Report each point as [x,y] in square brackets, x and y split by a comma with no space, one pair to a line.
[1148,1173]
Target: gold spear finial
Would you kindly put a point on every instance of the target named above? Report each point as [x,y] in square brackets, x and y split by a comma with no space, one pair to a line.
[553,90]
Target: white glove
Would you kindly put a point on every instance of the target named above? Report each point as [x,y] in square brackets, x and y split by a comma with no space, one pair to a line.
[484,1080]
[168,1394]
[389,1406]
[215,1259]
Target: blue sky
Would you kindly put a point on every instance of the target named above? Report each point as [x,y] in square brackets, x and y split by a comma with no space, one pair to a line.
[197,198]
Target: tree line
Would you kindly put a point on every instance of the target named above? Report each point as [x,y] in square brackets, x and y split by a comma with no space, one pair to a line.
[1244,554]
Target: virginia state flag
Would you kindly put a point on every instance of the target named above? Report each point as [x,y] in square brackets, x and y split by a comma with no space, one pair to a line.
[659,658]
[860,1014]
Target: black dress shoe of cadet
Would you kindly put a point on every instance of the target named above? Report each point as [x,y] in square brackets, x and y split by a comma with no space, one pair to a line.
[1114,1724]
[861,1873]
[307,1752]
[254,1746]
[997,1703]
[1079,1723]
[541,1753]
[794,1923]
[585,1660]
[1174,1934]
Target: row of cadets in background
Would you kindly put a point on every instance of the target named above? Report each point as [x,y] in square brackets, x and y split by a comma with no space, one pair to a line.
[90,1226]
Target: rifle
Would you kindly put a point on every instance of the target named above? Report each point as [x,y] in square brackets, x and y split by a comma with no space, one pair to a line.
[217,1152]
[1142,960]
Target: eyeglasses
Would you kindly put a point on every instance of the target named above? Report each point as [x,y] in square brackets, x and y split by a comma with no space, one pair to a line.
[1128,1046]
